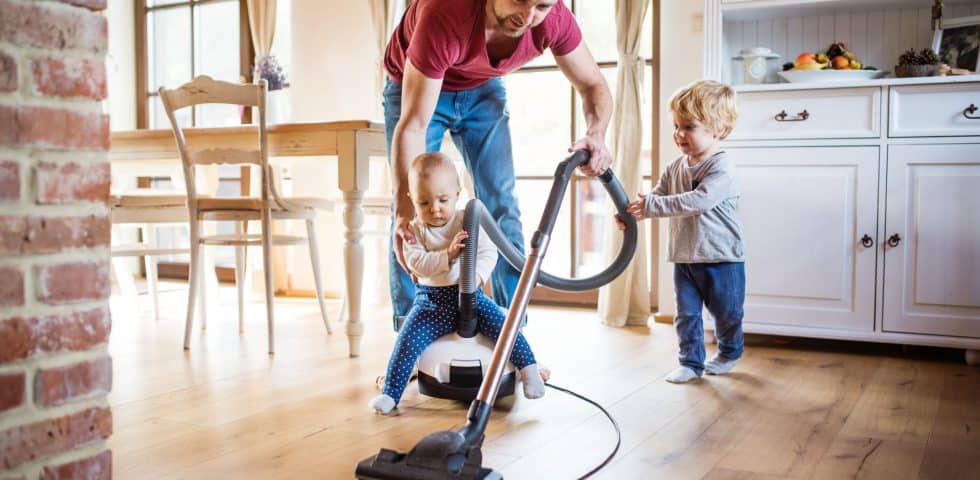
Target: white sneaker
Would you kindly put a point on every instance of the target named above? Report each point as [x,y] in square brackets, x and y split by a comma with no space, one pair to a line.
[682,374]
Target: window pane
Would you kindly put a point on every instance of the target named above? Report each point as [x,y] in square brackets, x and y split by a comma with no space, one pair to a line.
[594,211]
[646,37]
[154,3]
[532,196]
[597,18]
[169,37]
[646,110]
[216,43]
[540,120]
[158,116]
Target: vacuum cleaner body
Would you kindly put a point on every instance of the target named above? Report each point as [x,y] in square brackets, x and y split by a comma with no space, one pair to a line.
[453,368]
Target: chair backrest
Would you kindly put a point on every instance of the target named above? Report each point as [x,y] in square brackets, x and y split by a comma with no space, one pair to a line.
[205,90]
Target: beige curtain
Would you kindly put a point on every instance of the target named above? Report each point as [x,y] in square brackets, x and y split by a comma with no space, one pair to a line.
[262,21]
[385,15]
[626,301]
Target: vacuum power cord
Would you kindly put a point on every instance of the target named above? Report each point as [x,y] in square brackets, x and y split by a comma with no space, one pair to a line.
[619,435]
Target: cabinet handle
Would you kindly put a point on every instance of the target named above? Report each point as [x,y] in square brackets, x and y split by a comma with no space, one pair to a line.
[969,111]
[781,116]
[894,240]
[867,241]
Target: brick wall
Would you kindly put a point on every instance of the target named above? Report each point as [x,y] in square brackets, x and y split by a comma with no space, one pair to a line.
[55,370]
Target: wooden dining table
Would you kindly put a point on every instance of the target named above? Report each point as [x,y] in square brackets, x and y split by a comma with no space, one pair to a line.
[352,142]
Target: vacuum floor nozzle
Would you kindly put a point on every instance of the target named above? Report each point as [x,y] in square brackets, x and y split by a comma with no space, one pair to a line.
[438,456]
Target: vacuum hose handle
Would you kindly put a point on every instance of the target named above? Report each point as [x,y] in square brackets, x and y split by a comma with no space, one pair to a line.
[476,215]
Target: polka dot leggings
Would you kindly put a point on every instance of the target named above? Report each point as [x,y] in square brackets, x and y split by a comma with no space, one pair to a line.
[434,313]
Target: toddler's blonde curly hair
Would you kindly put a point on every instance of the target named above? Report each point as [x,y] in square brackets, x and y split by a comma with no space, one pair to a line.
[709,102]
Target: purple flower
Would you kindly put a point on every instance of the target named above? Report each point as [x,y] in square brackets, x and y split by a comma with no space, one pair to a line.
[268,67]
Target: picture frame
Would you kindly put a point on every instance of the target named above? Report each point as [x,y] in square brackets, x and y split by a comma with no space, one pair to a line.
[957,42]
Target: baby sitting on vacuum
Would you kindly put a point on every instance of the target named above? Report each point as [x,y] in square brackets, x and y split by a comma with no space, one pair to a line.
[433,260]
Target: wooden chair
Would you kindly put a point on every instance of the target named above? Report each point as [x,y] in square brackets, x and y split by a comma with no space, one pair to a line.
[147,209]
[266,207]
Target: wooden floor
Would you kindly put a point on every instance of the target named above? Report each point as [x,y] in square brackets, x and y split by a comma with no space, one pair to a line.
[226,409]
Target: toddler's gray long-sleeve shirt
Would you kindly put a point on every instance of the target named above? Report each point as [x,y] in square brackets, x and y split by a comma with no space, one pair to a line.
[701,202]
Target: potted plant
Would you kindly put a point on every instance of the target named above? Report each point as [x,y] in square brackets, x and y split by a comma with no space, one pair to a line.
[267,67]
[922,64]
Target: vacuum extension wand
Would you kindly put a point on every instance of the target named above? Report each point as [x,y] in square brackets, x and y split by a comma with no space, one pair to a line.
[457,455]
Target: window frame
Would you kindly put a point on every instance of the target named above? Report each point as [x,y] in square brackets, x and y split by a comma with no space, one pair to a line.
[143,94]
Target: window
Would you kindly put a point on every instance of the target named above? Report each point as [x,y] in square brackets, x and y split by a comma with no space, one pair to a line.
[546,116]
[179,40]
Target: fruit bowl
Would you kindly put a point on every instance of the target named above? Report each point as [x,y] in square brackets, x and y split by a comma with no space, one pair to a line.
[829,75]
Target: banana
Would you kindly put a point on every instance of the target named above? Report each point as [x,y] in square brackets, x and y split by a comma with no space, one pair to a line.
[811,66]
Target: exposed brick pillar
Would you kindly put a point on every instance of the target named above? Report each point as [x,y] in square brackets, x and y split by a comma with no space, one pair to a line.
[55,371]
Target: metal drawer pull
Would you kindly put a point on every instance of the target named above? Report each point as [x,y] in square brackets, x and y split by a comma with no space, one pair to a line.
[969,111]
[781,116]
[894,240]
[867,241]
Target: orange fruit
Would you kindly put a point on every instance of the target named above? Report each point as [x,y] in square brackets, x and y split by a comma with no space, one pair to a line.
[840,62]
[806,58]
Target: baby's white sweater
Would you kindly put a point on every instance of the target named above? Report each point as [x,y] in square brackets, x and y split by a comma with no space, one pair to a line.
[428,257]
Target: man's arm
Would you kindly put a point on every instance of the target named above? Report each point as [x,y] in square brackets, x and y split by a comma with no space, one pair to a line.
[580,69]
[419,96]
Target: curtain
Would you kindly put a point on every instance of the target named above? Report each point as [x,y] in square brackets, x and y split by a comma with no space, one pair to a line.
[385,15]
[626,300]
[262,21]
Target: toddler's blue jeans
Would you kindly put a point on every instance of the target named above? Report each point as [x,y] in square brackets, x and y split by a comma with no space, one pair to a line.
[721,288]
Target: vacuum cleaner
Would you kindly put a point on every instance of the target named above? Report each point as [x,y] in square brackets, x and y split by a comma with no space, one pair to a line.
[455,455]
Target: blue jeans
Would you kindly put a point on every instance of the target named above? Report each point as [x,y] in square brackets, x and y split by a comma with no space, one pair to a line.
[721,288]
[477,120]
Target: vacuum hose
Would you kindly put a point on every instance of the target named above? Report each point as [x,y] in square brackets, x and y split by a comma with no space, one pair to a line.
[476,215]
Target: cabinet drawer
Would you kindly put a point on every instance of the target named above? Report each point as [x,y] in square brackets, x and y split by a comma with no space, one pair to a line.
[934,110]
[830,113]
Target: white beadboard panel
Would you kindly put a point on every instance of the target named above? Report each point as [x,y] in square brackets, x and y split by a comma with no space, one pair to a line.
[876,36]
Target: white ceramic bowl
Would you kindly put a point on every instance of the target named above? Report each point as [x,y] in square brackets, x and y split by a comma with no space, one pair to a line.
[829,75]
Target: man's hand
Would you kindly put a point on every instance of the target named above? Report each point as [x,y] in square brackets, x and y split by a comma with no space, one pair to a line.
[404,211]
[599,157]
[635,208]
[456,247]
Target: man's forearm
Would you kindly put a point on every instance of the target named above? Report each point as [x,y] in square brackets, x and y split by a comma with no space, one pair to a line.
[597,106]
[407,142]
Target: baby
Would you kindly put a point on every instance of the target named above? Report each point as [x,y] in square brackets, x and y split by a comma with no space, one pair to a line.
[433,260]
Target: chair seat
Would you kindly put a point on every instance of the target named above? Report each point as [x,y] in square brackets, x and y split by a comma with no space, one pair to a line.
[255,204]
[148,198]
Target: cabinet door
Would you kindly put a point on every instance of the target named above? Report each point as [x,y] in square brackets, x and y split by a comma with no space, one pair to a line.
[804,212]
[932,273]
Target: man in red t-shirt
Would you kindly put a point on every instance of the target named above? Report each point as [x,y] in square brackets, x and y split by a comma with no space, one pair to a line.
[444,62]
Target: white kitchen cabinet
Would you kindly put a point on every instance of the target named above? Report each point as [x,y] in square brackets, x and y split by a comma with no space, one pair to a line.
[932,240]
[895,159]
[804,212]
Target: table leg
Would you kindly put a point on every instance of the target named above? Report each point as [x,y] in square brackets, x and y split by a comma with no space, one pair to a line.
[352,165]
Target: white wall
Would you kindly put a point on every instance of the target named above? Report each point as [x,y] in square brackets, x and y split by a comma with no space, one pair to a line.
[333,77]
[334,60]
[681,59]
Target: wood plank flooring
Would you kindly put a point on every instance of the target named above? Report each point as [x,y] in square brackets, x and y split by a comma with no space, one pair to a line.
[791,409]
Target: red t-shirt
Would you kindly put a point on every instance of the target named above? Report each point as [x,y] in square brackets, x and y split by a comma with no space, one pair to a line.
[446,39]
